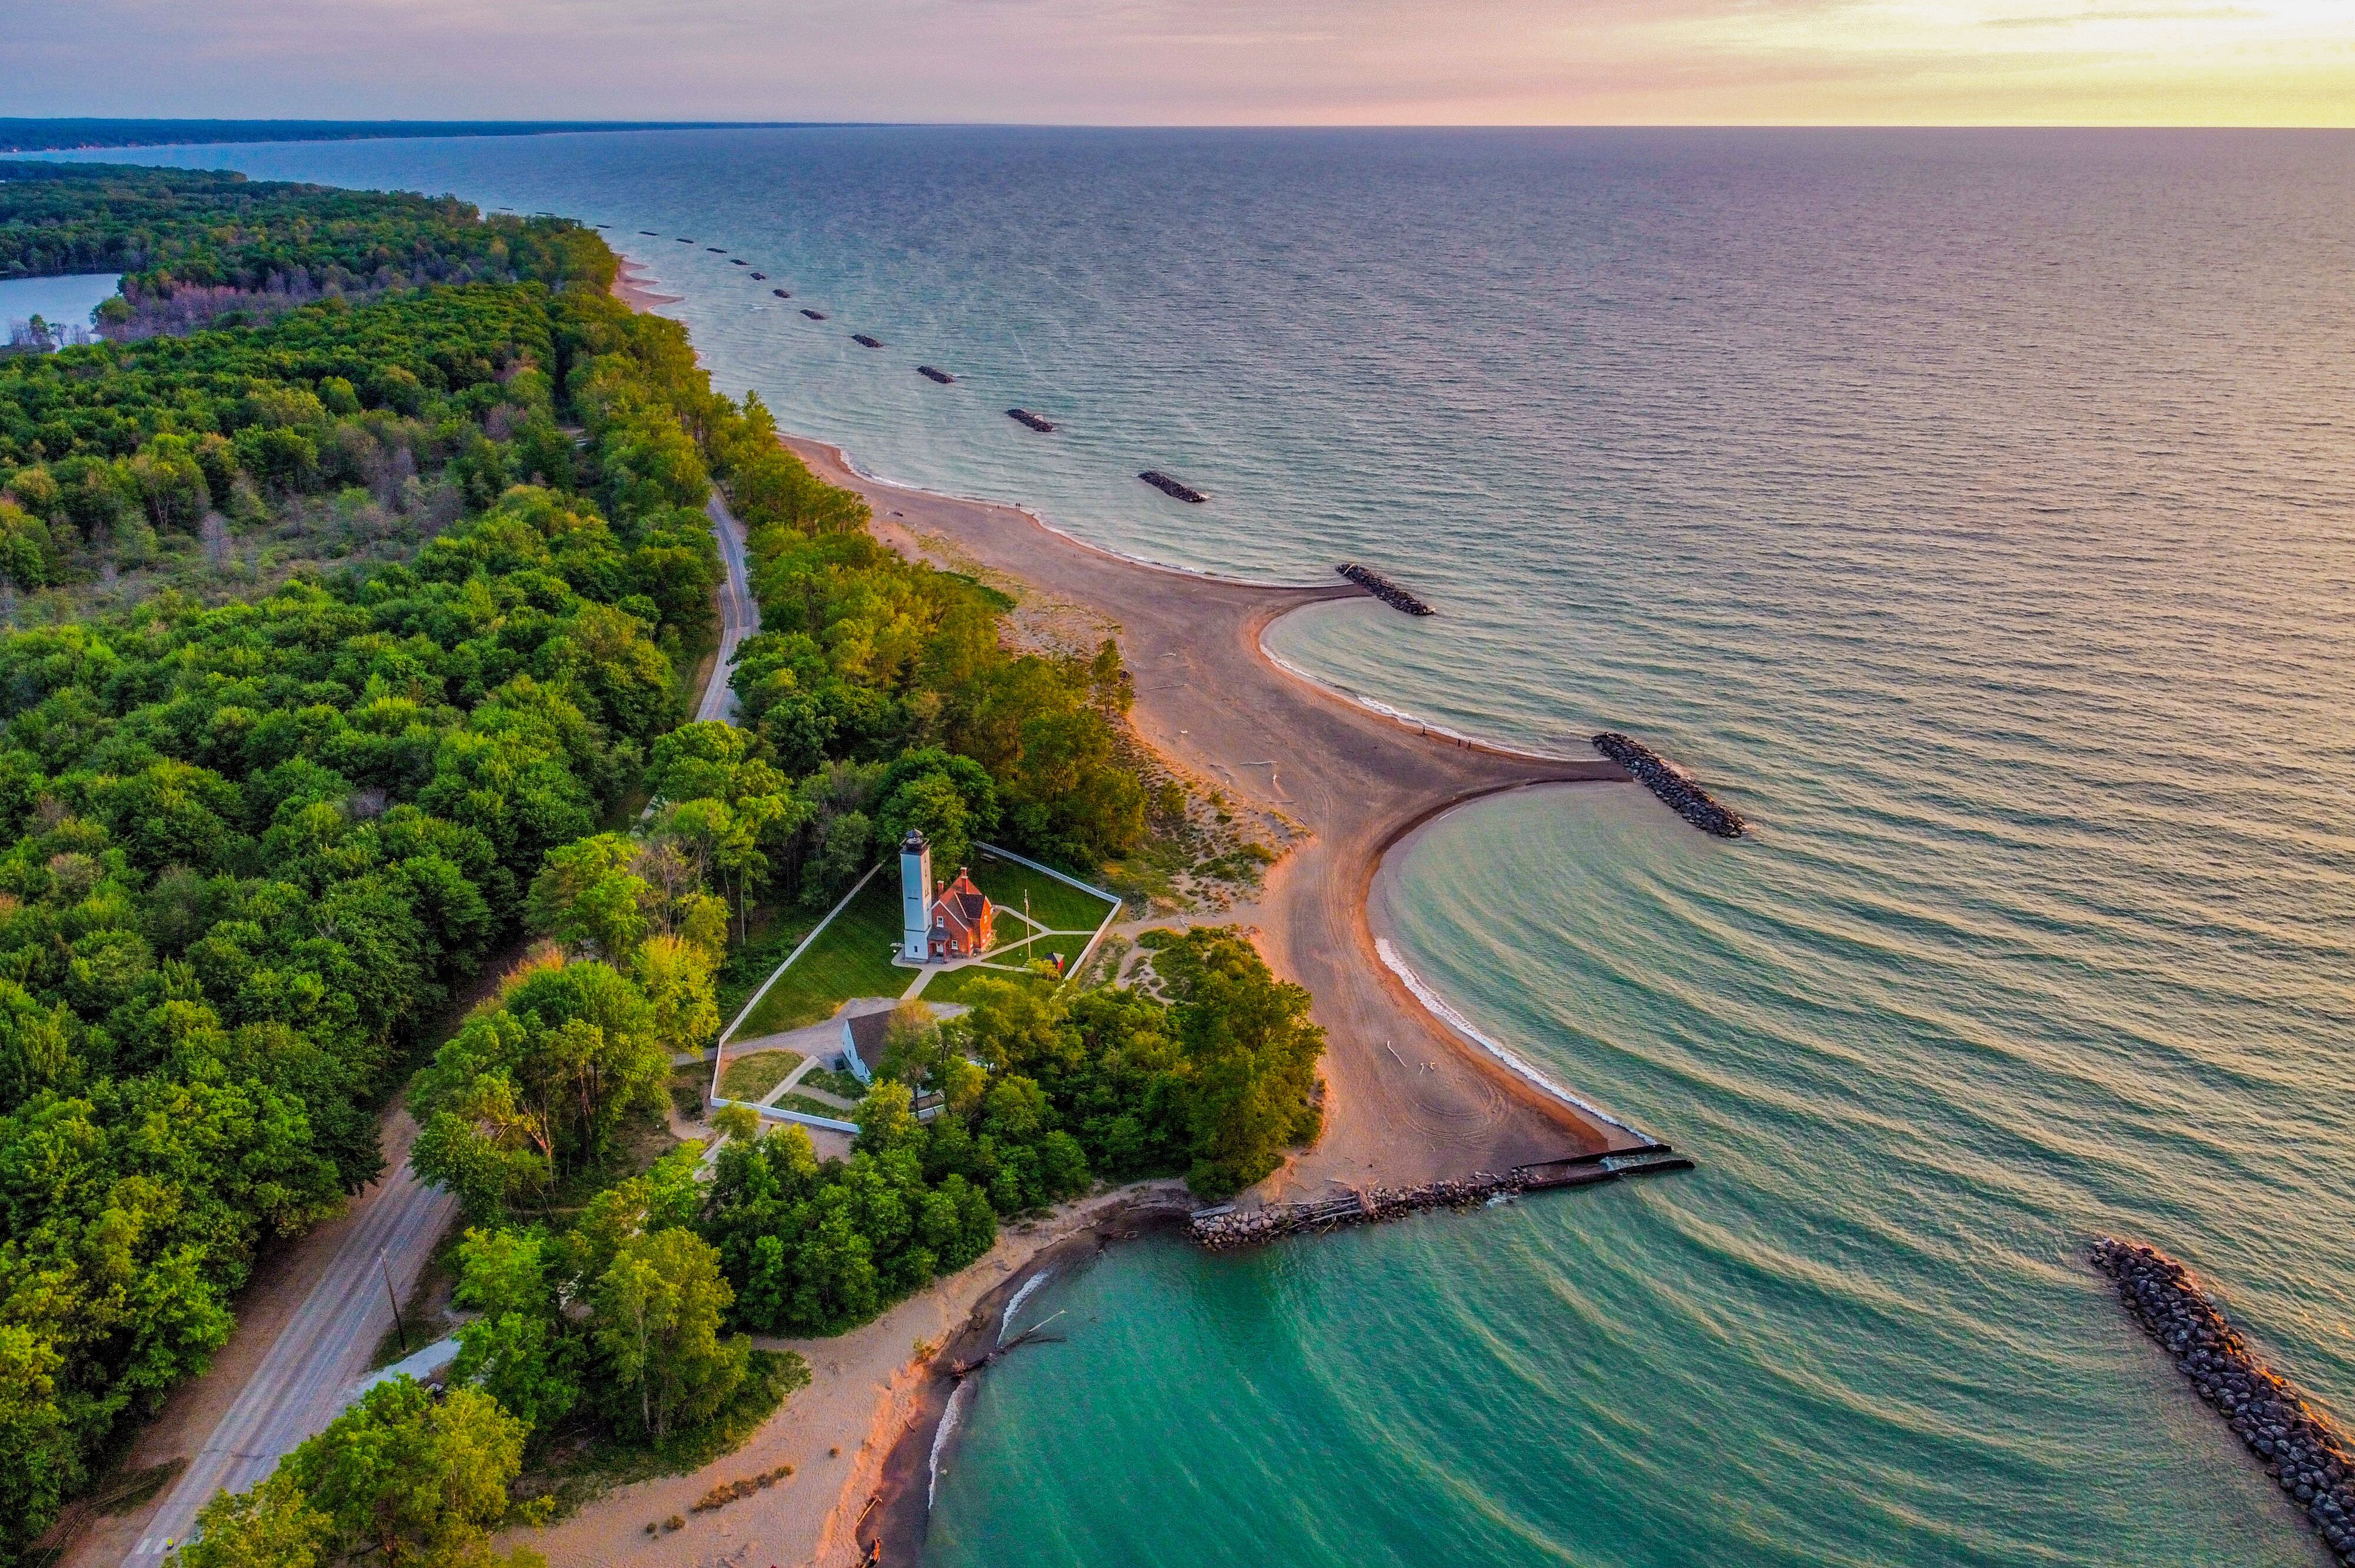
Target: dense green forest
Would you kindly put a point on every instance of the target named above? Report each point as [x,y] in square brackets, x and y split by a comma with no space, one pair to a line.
[216,234]
[263,837]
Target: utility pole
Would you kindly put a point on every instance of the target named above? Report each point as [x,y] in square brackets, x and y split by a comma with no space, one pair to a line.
[385,1269]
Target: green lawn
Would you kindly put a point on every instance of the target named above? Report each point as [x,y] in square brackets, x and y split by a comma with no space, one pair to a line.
[810,1107]
[852,957]
[750,1076]
[1058,905]
[842,1085]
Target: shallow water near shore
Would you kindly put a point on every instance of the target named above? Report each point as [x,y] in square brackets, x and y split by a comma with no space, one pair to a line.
[1973,512]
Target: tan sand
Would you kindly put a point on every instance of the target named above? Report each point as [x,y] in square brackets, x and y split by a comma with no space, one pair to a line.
[630,287]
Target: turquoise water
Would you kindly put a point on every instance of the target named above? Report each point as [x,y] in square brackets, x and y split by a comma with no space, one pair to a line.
[1975,512]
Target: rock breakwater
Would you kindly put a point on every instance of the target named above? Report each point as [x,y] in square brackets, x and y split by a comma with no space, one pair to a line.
[783,294]
[813,315]
[928,374]
[1025,416]
[1217,1229]
[1382,588]
[1672,784]
[1169,486]
[864,340]
[2305,1452]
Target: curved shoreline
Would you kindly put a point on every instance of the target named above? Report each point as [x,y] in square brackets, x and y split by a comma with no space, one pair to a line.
[1377,777]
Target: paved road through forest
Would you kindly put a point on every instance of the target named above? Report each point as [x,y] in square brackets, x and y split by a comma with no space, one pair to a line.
[390,1229]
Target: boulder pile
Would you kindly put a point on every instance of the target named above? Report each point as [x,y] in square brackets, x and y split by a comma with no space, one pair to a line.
[2299,1447]
[1671,783]
[1169,486]
[1382,588]
[1025,416]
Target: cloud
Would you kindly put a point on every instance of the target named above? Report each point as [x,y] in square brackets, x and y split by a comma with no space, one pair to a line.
[2082,18]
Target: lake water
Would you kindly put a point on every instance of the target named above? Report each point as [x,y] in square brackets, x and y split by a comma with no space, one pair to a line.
[1974,511]
[60,302]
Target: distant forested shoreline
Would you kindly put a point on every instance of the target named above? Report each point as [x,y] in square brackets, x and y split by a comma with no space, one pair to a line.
[27,135]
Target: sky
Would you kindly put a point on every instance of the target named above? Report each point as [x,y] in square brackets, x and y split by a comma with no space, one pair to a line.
[1225,62]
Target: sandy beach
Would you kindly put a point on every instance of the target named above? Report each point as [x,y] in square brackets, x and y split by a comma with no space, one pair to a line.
[630,286]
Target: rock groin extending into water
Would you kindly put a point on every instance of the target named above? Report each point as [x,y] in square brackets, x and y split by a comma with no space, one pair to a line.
[864,340]
[1024,415]
[1169,486]
[783,294]
[1671,783]
[943,376]
[813,315]
[1227,1226]
[2307,1456]
[1382,588]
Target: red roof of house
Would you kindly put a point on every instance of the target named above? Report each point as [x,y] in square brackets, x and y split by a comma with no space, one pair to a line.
[966,906]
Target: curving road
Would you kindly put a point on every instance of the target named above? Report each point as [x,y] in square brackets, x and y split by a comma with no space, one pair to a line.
[740,616]
[306,1377]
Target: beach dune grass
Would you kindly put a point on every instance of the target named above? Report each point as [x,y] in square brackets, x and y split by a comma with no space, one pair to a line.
[850,958]
[754,1074]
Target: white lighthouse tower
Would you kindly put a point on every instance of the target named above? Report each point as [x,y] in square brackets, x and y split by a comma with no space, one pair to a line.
[915,895]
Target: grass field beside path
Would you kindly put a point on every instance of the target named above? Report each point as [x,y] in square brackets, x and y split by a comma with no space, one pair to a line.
[1058,905]
[749,1076]
[963,985]
[850,958]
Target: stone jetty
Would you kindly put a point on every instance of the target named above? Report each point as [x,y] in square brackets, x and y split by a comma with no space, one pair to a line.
[1217,1229]
[1671,783]
[813,315]
[1169,486]
[1025,416]
[863,340]
[1382,588]
[928,373]
[2300,1448]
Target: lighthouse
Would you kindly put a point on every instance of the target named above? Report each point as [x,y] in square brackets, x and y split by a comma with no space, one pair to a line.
[915,895]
